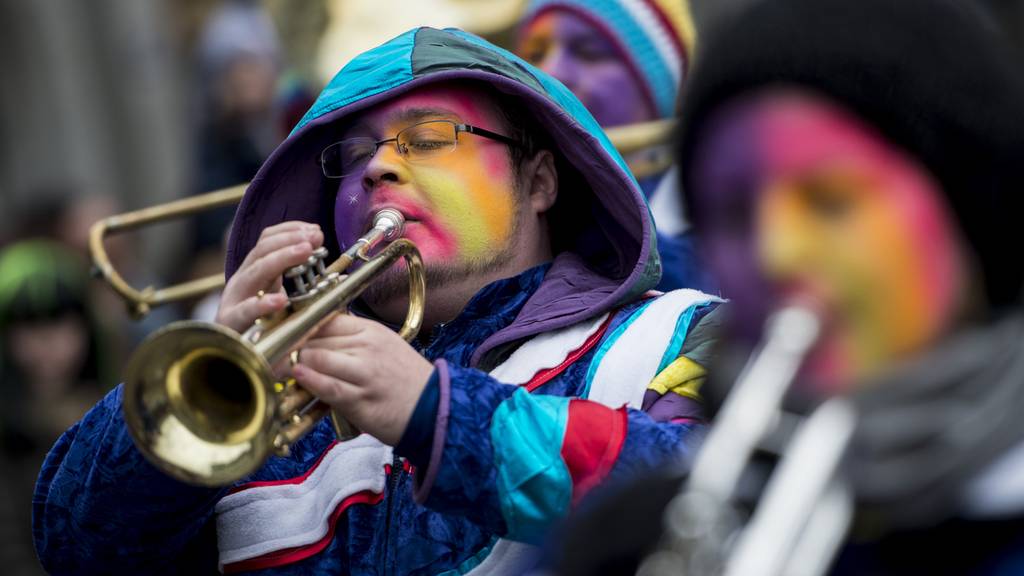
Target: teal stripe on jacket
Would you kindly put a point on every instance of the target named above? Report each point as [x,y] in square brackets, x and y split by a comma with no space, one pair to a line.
[534,484]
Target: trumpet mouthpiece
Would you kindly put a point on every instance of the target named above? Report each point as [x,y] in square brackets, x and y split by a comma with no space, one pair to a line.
[390,221]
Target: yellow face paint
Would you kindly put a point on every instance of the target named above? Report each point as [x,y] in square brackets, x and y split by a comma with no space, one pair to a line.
[477,209]
[840,217]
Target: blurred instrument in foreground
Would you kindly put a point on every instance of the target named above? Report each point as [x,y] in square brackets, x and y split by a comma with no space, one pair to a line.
[805,509]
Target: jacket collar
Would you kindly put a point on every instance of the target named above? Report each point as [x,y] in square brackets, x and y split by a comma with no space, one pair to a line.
[492,309]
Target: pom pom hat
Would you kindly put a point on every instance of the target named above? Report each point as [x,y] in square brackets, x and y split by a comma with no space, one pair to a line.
[655,37]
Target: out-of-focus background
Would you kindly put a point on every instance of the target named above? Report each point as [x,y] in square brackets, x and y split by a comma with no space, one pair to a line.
[113,105]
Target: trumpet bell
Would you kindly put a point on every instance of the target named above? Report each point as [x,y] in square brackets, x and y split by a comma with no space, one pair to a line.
[198,399]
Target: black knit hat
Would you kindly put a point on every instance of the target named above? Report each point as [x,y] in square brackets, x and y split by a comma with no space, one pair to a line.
[931,75]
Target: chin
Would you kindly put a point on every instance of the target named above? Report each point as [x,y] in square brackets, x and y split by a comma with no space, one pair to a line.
[391,308]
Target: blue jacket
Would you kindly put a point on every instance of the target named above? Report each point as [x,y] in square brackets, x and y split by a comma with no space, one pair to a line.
[547,384]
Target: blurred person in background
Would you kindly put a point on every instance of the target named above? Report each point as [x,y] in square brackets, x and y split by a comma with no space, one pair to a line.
[878,178]
[250,101]
[301,30]
[65,213]
[626,60]
[239,61]
[53,367]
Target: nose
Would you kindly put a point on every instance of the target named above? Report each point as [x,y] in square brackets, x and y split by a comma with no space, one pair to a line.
[386,165]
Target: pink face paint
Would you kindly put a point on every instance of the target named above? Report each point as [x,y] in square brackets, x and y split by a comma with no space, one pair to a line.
[588,62]
[839,215]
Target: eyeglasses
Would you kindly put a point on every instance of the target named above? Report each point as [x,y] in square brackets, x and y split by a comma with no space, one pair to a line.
[417,143]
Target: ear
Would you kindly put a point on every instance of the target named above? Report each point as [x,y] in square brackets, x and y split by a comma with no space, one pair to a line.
[539,181]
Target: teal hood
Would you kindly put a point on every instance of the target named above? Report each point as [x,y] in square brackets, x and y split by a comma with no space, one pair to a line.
[601,226]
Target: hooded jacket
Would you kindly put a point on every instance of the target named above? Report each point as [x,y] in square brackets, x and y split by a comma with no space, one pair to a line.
[547,384]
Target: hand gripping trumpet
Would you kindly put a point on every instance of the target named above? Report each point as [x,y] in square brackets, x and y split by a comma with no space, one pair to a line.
[202,402]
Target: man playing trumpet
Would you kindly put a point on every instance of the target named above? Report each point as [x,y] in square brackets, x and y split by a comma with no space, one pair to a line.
[544,368]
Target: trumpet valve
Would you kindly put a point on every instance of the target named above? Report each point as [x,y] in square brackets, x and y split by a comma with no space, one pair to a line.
[310,271]
[297,275]
[282,448]
[308,277]
[320,254]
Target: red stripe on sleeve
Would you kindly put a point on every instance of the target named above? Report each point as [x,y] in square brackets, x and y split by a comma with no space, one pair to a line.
[543,376]
[594,436]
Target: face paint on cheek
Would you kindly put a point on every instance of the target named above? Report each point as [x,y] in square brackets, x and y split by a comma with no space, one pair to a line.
[729,168]
[470,210]
[933,239]
[350,207]
[483,164]
[495,162]
[492,193]
[911,255]
[882,255]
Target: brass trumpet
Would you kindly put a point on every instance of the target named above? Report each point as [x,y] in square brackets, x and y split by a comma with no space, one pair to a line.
[634,137]
[201,401]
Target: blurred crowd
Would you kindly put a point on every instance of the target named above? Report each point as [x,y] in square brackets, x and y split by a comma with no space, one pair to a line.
[64,336]
[248,79]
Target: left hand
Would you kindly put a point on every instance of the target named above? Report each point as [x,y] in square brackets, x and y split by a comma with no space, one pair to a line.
[366,372]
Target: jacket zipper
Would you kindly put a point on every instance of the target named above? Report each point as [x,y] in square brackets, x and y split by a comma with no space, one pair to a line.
[396,471]
[396,462]
[422,344]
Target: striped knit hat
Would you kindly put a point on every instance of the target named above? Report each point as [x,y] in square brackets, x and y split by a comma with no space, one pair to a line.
[655,37]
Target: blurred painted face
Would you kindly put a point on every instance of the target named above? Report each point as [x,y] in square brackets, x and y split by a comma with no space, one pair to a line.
[50,352]
[802,201]
[461,207]
[583,58]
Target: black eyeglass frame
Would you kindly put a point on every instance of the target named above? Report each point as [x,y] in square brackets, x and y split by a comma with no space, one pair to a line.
[468,128]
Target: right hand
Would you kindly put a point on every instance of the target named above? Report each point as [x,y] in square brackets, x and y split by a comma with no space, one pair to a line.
[279,248]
